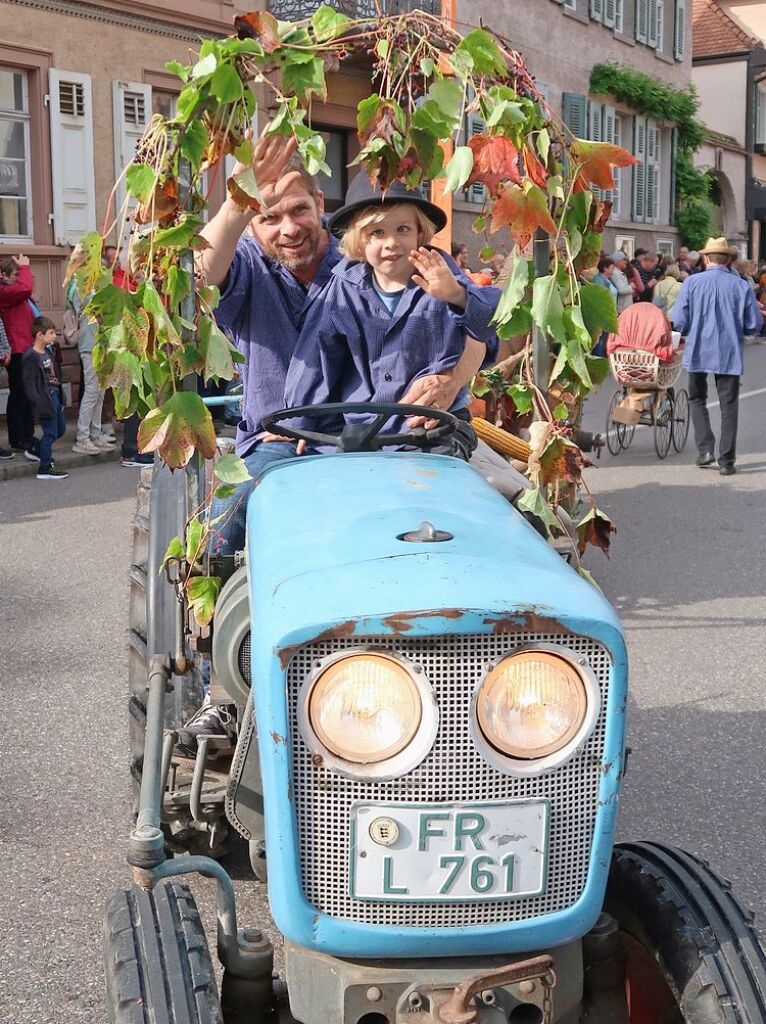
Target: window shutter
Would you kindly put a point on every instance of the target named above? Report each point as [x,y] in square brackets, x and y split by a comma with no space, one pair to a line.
[597,10]
[610,13]
[132,109]
[642,21]
[680,34]
[575,114]
[595,119]
[474,125]
[652,172]
[610,133]
[652,29]
[639,169]
[73,171]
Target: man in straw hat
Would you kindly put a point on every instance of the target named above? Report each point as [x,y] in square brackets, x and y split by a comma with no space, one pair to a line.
[715,310]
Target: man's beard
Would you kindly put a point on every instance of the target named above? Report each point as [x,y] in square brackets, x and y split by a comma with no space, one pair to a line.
[295,261]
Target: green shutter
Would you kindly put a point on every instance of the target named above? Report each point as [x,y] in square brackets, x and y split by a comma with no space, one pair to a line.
[574,113]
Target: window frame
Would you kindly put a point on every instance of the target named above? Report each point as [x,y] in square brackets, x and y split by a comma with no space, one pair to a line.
[37,65]
[25,116]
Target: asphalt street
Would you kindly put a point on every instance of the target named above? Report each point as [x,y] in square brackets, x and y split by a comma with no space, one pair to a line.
[686,574]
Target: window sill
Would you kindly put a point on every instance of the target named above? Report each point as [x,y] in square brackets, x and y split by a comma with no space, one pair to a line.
[622,38]
[663,57]
[576,15]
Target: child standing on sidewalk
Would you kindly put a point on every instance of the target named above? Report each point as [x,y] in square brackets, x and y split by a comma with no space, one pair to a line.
[42,383]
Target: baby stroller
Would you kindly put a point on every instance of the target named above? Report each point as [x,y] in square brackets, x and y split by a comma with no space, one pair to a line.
[646,365]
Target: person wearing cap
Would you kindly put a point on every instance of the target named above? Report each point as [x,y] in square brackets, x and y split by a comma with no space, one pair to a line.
[715,310]
[394,310]
[620,280]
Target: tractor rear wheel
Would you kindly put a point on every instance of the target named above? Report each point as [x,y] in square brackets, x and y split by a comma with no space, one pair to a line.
[693,956]
[156,959]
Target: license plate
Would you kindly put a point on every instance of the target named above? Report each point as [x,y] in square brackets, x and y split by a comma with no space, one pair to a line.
[411,853]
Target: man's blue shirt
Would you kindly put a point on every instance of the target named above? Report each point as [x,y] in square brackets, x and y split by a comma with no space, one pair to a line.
[714,310]
[262,307]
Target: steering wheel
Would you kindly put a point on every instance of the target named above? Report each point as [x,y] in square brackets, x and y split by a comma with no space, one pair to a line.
[364,437]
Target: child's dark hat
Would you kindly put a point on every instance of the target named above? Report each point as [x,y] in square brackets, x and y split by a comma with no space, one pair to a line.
[362,193]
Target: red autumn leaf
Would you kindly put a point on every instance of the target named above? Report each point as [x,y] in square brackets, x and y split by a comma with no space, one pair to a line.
[561,460]
[259,25]
[522,210]
[595,528]
[596,160]
[534,168]
[410,162]
[495,159]
[600,212]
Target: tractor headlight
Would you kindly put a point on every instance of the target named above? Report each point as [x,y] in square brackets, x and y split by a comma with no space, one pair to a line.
[365,708]
[532,704]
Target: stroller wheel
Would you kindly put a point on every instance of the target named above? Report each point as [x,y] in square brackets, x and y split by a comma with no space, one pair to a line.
[615,432]
[680,420]
[663,425]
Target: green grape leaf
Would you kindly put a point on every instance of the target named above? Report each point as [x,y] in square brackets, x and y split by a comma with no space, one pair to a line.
[519,324]
[547,307]
[196,538]
[204,67]
[178,284]
[139,181]
[599,310]
[448,96]
[305,79]
[458,168]
[514,290]
[194,143]
[85,263]
[174,550]
[522,397]
[534,501]
[226,85]
[484,52]
[225,490]
[217,352]
[202,593]
[178,427]
[327,23]
[231,469]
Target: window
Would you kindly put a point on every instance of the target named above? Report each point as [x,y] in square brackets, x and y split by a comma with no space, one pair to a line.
[619,17]
[15,179]
[627,243]
[665,246]
[660,30]
[163,102]
[336,157]
[760,114]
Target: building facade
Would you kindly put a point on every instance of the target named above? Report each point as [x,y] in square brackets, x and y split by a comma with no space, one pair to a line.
[729,74]
[78,84]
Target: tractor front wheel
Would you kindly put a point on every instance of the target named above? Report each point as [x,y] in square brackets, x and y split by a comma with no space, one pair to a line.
[693,956]
[156,958]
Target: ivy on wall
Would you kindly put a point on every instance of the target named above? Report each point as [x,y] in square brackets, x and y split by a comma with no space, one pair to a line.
[664,102]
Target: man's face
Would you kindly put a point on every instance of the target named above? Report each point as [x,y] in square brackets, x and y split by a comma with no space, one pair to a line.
[648,262]
[290,231]
[683,253]
[109,255]
[621,264]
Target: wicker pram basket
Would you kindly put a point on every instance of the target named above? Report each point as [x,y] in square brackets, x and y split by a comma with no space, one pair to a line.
[639,369]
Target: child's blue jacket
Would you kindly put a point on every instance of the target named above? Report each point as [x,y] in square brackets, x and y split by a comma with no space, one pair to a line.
[352,349]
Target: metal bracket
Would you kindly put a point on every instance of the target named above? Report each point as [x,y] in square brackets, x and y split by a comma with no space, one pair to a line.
[460,1007]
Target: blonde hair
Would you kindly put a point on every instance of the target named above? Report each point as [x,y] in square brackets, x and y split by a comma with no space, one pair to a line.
[353,241]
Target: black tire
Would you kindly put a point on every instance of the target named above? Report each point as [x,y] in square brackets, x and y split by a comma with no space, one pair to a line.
[680,921]
[156,959]
[614,430]
[662,415]
[680,419]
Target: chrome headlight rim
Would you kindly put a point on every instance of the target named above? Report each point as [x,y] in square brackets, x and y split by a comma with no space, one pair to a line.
[393,767]
[524,768]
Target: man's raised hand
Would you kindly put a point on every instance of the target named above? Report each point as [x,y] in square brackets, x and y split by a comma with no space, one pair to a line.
[435,277]
[271,154]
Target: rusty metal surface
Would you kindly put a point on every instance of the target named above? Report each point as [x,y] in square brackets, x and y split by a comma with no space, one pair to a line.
[460,1008]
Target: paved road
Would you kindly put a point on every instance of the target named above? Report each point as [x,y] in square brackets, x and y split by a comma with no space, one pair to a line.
[686,572]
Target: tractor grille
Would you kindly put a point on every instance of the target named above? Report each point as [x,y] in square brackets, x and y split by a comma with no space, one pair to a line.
[453,772]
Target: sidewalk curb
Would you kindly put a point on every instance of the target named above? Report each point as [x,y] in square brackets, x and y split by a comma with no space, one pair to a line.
[21,466]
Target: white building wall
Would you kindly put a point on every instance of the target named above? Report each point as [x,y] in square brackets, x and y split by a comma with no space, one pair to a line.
[722,89]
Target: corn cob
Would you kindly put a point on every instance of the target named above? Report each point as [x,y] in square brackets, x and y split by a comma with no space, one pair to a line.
[500,440]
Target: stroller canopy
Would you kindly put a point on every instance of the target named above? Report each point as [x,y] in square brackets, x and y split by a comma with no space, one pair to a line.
[643,326]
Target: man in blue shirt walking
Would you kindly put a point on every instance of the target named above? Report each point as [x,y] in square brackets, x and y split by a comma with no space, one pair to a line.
[715,310]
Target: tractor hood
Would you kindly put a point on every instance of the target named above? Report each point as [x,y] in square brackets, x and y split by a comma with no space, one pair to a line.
[325,555]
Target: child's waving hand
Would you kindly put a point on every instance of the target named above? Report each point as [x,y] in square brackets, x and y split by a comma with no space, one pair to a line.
[435,277]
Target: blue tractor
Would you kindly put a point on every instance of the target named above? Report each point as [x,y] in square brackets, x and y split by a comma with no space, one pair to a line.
[428,762]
